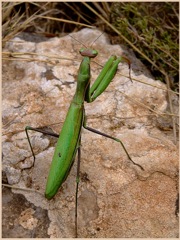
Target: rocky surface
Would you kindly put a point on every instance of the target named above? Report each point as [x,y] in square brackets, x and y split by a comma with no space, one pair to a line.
[116,198]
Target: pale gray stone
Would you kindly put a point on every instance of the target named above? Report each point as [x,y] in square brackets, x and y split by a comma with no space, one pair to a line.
[116,199]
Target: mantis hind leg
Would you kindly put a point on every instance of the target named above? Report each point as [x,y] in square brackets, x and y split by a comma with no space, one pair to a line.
[27,128]
[113,138]
[77,186]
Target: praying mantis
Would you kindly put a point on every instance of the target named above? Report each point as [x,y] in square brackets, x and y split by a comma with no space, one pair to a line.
[93,163]
[69,140]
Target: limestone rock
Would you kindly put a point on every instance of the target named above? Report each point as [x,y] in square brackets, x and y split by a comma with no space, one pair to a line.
[116,198]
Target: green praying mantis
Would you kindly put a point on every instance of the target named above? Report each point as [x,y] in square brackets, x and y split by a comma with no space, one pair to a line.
[69,140]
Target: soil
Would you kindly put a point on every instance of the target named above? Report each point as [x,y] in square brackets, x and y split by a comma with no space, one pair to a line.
[13,208]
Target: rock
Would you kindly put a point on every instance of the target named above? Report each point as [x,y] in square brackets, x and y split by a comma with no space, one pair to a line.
[116,198]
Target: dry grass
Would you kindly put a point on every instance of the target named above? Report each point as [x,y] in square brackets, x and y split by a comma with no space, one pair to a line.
[151,29]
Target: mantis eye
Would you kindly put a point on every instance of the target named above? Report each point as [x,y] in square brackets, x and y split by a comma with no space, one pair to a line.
[87,52]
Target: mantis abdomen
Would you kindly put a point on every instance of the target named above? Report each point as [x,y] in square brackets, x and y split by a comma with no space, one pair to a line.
[65,151]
